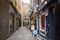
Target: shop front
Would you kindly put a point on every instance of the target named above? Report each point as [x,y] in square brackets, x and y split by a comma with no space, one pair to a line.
[47,21]
[34,24]
[18,20]
[11,23]
[43,24]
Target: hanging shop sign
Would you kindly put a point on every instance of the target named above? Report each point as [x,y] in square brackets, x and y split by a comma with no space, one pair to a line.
[42,1]
[32,27]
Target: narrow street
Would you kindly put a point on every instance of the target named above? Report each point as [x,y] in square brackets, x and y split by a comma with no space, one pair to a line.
[23,34]
[29,19]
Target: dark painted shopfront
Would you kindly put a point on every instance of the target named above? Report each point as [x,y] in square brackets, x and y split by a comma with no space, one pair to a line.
[50,21]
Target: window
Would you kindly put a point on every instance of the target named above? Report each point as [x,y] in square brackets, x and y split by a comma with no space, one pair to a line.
[43,22]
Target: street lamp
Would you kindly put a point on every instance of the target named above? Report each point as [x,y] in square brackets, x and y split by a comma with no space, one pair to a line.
[36,5]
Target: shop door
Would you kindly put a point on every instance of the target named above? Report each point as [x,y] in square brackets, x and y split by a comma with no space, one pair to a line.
[57,22]
[51,23]
[11,23]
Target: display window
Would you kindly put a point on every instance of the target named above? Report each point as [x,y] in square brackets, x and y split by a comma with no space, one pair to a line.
[42,24]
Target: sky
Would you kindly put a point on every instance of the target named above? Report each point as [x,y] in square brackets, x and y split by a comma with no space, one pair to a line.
[26,1]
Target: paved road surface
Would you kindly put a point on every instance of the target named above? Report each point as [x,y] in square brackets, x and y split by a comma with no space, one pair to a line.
[22,34]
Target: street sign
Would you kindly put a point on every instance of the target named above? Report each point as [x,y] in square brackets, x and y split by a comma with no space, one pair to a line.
[35,32]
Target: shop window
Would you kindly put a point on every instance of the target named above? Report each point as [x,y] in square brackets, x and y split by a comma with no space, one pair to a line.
[42,22]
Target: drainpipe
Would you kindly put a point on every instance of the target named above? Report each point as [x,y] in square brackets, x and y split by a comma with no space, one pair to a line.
[21,22]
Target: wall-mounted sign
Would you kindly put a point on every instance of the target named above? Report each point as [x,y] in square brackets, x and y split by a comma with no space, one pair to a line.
[45,2]
[42,1]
